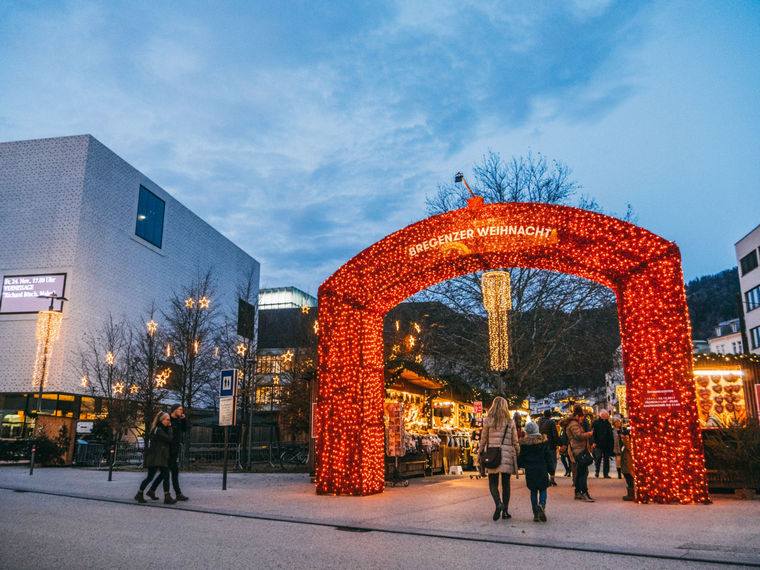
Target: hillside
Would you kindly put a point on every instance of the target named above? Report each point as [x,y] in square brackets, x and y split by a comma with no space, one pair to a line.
[712,299]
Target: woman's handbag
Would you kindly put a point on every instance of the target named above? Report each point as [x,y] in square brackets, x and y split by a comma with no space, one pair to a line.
[492,456]
[584,458]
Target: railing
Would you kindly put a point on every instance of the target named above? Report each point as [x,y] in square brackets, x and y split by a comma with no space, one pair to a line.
[277,455]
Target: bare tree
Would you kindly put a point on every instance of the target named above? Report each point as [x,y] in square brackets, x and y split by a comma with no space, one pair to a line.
[149,376]
[104,361]
[191,320]
[546,306]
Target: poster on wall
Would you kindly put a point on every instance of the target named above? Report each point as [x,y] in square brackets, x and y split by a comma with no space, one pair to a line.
[720,398]
[20,293]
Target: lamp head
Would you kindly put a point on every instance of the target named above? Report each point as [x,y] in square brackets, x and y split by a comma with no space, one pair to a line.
[458,177]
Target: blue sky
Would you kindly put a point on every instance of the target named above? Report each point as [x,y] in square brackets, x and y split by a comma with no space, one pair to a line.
[305,131]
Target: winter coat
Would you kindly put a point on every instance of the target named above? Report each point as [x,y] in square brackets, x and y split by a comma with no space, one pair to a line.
[576,437]
[158,449]
[548,427]
[491,436]
[626,455]
[616,445]
[603,436]
[179,427]
[536,458]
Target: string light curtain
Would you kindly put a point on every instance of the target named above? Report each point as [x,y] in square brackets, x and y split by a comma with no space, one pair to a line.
[47,332]
[497,300]
[641,268]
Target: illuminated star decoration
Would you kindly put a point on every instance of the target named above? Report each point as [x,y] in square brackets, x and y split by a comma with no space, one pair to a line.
[204,302]
[118,388]
[152,327]
[287,357]
[642,269]
[189,303]
[305,309]
[110,358]
[316,327]
[241,349]
[85,382]
[133,389]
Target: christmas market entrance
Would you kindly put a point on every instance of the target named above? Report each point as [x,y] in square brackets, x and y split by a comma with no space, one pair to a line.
[642,269]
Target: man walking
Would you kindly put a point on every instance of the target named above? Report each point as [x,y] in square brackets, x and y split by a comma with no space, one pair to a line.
[180,425]
[548,427]
[604,440]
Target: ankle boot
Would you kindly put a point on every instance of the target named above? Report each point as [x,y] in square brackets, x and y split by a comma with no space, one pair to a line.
[497,512]
[536,518]
[139,497]
[542,513]
[168,500]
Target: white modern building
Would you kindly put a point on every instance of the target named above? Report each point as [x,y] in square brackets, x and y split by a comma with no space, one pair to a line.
[78,221]
[727,338]
[748,258]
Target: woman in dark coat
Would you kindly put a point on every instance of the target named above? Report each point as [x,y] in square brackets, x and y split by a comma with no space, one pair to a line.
[157,456]
[536,458]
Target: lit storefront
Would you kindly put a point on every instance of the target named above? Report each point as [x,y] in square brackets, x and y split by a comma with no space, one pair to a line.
[427,428]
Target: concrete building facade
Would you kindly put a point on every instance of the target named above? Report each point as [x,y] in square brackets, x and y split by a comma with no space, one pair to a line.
[71,206]
[748,258]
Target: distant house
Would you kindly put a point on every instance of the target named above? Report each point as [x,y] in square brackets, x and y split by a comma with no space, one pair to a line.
[748,257]
[727,338]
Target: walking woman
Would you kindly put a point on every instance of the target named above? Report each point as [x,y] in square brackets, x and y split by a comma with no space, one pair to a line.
[577,451]
[499,433]
[538,460]
[157,456]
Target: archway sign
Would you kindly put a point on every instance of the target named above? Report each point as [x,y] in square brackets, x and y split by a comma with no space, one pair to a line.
[643,270]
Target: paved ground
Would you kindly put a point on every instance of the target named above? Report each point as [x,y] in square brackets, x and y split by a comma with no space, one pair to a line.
[76,518]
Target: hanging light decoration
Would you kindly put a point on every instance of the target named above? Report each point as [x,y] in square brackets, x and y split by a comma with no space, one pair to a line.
[47,332]
[497,300]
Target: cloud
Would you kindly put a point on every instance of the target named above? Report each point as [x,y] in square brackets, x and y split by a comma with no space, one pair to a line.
[305,134]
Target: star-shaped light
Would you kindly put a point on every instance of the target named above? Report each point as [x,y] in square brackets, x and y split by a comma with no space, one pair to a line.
[241,349]
[204,302]
[316,327]
[133,389]
[110,358]
[85,382]
[189,303]
[118,388]
[305,309]
[287,357]
[152,327]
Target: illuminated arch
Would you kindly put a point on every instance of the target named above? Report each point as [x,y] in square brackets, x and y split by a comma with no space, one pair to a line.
[642,269]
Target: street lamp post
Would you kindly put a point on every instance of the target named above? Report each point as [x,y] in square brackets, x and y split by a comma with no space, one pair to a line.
[48,316]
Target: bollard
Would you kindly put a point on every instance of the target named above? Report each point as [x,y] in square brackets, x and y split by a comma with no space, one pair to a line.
[31,460]
[111,462]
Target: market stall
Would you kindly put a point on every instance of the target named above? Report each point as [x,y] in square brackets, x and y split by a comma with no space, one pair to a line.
[437,425]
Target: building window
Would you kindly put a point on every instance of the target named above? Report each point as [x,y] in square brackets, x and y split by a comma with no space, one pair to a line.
[755,336]
[752,298]
[748,262]
[150,217]
[268,364]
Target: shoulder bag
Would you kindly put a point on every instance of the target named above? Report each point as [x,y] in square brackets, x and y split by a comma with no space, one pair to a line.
[492,455]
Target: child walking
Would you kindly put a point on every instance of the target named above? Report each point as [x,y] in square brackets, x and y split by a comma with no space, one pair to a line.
[535,457]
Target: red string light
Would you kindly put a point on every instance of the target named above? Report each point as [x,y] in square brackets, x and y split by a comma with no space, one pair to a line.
[643,270]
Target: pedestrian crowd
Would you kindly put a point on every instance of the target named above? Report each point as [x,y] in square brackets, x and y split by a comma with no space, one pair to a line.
[578,440]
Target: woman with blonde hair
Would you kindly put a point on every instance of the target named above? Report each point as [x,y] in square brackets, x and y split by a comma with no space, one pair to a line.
[157,457]
[498,452]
